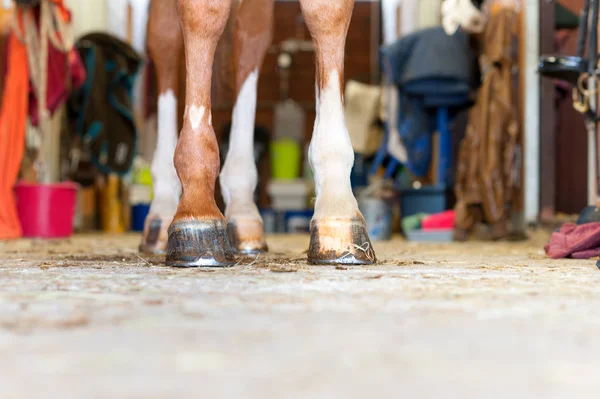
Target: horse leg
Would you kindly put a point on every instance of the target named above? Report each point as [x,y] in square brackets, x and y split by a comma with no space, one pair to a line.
[338,229]
[165,43]
[253,31]
[198,234]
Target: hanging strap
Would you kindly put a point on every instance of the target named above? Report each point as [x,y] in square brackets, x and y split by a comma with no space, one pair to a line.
[581,96]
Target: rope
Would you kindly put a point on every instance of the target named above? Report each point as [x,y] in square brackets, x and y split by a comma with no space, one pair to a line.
[55,30]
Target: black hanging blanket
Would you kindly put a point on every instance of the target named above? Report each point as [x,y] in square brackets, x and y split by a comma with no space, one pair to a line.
[102,109]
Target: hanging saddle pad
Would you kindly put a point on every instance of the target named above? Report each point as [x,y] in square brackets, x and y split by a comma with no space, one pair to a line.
[362,116]
[103,108]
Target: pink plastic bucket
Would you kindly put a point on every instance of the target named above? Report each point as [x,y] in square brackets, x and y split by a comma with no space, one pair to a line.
[440,221]
[46,210]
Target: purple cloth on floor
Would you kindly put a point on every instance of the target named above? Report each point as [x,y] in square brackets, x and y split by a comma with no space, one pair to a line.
[576,241]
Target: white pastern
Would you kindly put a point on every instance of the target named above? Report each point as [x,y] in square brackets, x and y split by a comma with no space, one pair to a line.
[167,187]
[239,176]
[331,155]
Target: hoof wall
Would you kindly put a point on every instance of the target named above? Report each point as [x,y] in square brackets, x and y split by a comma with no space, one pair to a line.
[154,240]
[340,242]
[247,237]
[199,243]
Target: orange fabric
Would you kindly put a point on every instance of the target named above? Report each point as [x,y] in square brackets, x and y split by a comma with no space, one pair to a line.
[13,118]
[64,11]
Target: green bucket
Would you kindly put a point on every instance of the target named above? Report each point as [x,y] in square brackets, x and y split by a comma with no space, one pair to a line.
[286,157]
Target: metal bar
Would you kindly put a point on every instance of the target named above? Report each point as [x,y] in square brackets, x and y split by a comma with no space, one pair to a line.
[594,163]
[532,109]
[547,118]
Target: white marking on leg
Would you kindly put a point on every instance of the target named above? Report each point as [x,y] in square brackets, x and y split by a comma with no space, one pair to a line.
[195,115]
[331,155]
[167,187]
[239,175]
[317,95]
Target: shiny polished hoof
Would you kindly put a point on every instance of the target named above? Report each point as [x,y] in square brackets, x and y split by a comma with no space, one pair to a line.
[154,239]
[340,242]
[247,237]
[199,243]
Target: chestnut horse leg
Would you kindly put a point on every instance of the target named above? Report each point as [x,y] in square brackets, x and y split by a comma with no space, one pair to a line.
[252,35]
[338,229]
[165,43]
[198,234]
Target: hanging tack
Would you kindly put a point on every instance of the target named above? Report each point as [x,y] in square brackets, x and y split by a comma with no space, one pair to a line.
[580,103]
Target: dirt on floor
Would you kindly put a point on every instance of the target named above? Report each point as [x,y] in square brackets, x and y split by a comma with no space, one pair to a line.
[89,317]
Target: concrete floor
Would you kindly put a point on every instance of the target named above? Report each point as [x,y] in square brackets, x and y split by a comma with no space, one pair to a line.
[89,318]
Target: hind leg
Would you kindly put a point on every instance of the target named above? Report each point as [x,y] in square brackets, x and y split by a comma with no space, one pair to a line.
[198,234]
[165,44]
[338,229]
[252,36]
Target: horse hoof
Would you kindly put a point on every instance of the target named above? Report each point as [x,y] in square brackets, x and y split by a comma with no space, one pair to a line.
[199,243]
[247,237]
[154,240]
[335,242]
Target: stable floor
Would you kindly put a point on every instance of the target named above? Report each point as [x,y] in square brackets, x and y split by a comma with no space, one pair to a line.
[89,318]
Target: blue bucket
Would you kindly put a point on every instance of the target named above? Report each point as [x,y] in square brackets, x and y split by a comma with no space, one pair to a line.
[298,221]
[378,215]
[138,216]
[273,221]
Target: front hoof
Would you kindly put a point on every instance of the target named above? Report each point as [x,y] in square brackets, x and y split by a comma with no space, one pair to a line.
[247,237]
[199,243]
[335,242]
[154,239]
